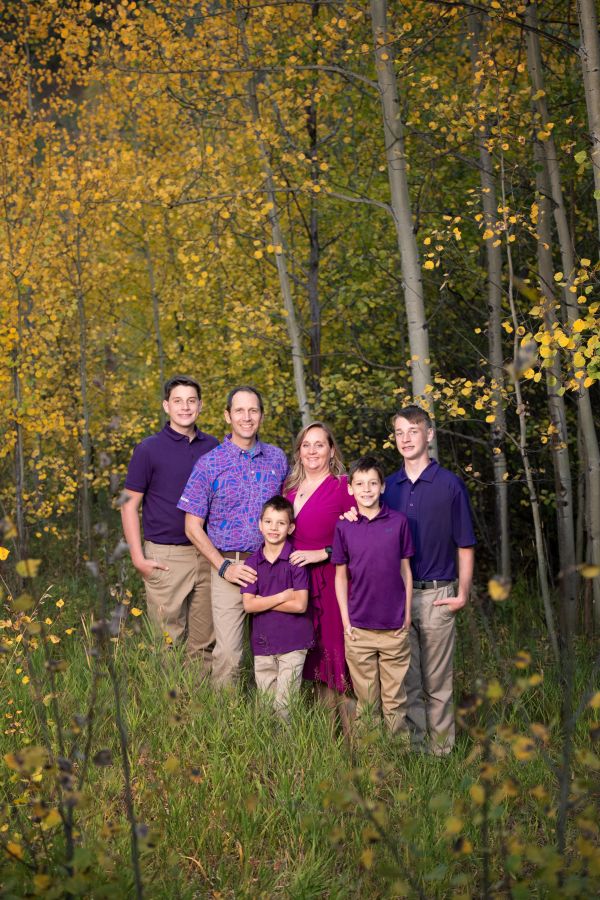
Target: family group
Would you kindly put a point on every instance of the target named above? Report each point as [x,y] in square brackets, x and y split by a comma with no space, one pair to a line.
[351,581]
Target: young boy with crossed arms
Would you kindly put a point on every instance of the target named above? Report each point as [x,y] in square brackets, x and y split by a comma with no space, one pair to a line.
[281,629]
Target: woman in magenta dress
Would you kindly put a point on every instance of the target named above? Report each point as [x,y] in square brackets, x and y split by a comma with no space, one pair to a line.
[319,491]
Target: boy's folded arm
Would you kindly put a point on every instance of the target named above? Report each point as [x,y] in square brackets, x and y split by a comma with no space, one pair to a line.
[254,603]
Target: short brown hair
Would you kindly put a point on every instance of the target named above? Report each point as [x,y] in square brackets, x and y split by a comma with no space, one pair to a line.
[183,380]
[363,465]
[413,413]
[279,504]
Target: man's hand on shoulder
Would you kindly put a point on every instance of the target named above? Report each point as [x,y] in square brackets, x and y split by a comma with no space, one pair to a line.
[240,573]
[146,567]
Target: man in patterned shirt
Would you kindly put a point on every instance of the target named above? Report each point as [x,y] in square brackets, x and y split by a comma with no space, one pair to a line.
[227,489]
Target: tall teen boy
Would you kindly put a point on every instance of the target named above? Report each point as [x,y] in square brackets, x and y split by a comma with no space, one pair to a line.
[375,601]
[281,630]
[176,576]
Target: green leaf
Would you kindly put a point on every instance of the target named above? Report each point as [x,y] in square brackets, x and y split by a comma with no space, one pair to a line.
[580,157]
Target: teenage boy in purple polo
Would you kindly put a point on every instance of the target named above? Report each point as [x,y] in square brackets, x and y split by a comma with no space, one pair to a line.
[176,576]
[281,629]
[436,503]
[373,553]
[227,489]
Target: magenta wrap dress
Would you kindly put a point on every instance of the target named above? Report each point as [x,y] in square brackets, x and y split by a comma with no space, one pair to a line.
[315,524]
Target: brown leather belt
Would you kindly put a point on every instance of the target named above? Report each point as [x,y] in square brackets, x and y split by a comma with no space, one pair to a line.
[235,554]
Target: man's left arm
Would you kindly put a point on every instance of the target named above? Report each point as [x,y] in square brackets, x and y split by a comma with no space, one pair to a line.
[466,561]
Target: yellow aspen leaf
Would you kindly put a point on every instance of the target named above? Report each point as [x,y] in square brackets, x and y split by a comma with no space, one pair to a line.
[499,588]
[28,568]
[15,849]
[522,659]
[258,254]
[579,359]
[366,858]
[135,611]
[171,764]
[60,603]
[429,264]
[523,748]
[225,214]
[491,418]
[494,690]
[588,382]
[594,703]
[25,679]
[41,882]
[585,262]
[579,325]
[535,679]
[487,234]
[558,276]
[51,820]
[477,792]
[4,551]
[529,373]
[589,571]
[454,825]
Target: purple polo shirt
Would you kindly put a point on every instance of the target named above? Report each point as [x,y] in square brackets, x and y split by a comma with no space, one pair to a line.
[159,469]
[228,487]
[272,632]
[373,550]
[439,515]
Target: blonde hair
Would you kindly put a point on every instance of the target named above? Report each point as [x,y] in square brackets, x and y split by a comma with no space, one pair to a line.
[336,463]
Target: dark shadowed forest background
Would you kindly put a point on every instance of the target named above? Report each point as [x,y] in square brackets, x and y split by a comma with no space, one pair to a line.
[347,204]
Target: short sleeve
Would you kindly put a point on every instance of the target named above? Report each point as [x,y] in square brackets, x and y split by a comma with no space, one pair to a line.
[463,533]
[407,548]
[300,577]
[139,472]
[339,554]
[252,561]
[197,492]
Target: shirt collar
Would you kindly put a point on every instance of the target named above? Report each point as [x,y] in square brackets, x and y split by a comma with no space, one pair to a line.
[285,554]
[239,451]
[176,436]
[382,514]
[428,474]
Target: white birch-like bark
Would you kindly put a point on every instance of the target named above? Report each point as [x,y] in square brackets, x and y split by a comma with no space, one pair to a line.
[418,335]
[565,240]
[589,51]
[291,319]
[489,205]
[565,511]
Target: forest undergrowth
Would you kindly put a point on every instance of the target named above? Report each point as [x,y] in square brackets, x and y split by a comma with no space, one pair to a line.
[125,774]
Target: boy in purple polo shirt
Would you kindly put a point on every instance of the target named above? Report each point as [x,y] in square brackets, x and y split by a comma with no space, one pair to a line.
[375,602]
[281,629]
[176,576]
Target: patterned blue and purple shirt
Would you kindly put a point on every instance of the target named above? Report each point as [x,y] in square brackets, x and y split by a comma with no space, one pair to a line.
[228,487]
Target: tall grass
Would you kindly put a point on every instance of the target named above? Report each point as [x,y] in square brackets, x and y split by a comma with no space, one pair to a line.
[229,802]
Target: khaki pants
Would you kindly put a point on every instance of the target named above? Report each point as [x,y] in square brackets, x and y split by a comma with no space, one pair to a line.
[280,676]
[229,617]
[429,678]
[179,601]
[378,663]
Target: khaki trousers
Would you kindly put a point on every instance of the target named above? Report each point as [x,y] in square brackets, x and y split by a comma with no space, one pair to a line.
[229,617]
[280,676]
[378,663]
[179,601]
[429,678]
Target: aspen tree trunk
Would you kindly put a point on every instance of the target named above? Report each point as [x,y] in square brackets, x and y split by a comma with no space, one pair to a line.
[524,451]
[586,419]
[556,406]
[393,127]
[155,298]
[293,328]
[494,302]
[22,540]
[589,51]
[86,444]
[313,237]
